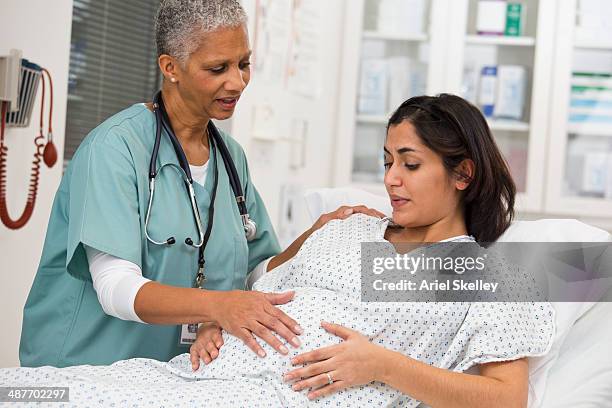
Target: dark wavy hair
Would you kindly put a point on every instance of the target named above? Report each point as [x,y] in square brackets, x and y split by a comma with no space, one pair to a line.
[456,130]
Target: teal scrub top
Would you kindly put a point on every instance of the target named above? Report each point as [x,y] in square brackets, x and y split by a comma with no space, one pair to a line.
[101,202]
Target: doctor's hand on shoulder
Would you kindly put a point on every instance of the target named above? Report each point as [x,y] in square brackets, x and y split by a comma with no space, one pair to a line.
[343,213]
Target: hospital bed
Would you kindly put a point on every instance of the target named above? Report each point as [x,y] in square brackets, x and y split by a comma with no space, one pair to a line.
[577,372]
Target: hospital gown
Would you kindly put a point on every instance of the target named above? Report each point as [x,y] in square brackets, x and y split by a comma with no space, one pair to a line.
[326,277]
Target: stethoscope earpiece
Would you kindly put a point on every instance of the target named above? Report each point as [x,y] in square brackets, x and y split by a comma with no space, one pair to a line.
[189,241]
[170,241]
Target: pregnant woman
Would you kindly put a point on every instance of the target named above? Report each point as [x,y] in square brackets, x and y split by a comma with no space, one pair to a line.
[447,181]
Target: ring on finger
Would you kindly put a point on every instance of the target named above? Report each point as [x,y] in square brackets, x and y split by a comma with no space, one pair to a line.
[330,380]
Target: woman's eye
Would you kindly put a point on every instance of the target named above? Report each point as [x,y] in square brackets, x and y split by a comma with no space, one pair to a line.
[387,165]
[245,65]
[412,166]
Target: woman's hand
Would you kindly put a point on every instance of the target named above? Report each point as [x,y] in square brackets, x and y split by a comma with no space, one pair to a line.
[207,344]
[246,314]
[350,363]
[343,213]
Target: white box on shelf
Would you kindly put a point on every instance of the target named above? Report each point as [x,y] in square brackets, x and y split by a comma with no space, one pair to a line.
[400,72]
[487,90]
[469,87]
[402,17]
[594,171]
[491,17]
[510,98]
[373,87]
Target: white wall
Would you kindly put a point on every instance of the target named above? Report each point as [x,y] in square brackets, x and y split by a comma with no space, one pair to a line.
[269,161]
[41,29]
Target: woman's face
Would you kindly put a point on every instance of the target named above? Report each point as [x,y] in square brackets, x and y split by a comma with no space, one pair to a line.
[215,75]
[421,190]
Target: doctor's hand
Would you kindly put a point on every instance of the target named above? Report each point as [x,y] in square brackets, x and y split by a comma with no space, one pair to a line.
[351,363]
[206,346]
[343,213]
[249,314]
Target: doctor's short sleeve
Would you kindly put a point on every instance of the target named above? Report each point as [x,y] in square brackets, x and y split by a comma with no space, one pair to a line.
[501,331]
[103,209]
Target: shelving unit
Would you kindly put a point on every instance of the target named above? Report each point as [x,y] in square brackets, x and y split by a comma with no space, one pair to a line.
[361,135]
[523,141]
[537,146]
[574,184]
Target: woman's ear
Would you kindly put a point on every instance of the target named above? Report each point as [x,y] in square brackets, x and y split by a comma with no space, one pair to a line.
[464,173]
[169,67]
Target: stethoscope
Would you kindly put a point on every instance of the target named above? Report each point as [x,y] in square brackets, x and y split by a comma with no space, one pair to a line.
[215,140]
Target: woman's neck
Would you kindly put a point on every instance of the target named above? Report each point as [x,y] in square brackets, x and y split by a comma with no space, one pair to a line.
[440,230]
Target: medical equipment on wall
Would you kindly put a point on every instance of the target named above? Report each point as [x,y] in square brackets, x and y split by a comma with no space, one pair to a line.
[250,228]
[19,81]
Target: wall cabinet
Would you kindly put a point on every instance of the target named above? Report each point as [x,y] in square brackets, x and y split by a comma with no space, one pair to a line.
[543,81]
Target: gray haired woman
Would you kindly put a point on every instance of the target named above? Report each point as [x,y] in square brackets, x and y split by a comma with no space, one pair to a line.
[123,275]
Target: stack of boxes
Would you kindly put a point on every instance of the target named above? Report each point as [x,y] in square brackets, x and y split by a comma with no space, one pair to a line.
[590,112]
[594,20]
[500,17]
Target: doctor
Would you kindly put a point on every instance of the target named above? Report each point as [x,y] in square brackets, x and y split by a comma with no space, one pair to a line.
[128,264]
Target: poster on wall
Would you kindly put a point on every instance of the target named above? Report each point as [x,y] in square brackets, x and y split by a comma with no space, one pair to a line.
[272,31]
[304,49]
[286,44]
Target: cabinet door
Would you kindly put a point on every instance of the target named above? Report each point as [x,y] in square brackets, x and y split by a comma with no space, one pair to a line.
[393,49]
[506,73]
[580,166]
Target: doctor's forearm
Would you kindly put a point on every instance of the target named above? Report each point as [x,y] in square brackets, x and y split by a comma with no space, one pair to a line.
[290,252]
[156,303]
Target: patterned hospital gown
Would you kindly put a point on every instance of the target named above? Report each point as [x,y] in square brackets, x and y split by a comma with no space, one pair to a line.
[326,277]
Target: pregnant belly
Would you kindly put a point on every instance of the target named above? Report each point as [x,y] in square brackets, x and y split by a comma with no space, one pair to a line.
[309,307]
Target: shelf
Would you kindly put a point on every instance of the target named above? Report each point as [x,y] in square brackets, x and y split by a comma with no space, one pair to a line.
[508,125]
[373,119]
[590,129]
[500,40]
[376,35]
[603,44]
[494,124]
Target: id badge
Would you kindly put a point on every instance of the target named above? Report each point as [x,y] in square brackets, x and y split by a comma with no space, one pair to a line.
[188,334]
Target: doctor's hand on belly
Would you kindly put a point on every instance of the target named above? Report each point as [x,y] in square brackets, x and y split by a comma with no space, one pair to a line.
[262,317]
[245,314]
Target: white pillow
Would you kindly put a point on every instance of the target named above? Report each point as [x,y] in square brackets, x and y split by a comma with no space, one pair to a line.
[553,230]
[586,355]
[324,200]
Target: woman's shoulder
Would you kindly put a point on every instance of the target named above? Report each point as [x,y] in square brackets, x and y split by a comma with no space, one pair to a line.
[357,228]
